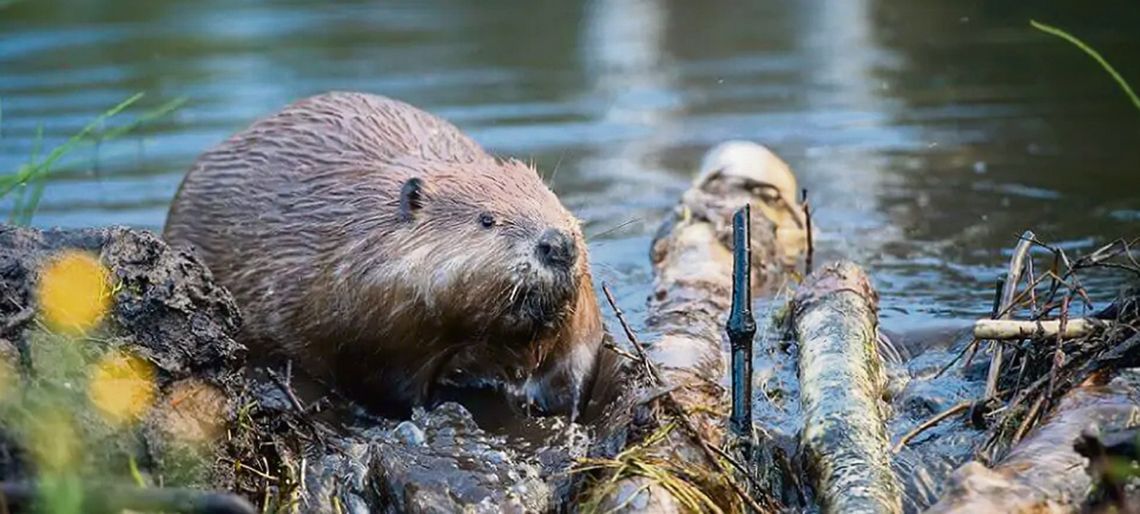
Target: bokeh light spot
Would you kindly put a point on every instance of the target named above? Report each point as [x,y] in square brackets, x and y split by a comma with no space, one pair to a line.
[73,292]
[195,411]
[122,387]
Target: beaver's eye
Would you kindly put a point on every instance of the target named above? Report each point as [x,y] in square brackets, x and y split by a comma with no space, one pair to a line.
[486,220]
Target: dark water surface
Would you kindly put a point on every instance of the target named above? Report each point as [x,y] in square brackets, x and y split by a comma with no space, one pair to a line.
[929,133]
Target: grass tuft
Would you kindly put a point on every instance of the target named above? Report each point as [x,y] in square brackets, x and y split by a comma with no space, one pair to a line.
[641,461]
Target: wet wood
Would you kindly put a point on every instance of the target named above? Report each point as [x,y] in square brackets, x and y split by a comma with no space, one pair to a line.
[1007,305]
[1044,473]
[1005,329]
[844,437]
[692,295]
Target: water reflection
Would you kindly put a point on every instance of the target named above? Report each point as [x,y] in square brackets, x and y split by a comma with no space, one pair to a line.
[930,133]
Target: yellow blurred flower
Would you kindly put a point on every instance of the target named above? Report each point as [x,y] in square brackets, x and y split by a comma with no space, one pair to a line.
[73,292]
[122,387]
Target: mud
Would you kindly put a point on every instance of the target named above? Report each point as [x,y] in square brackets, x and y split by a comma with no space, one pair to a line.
[267,446]
[165,310]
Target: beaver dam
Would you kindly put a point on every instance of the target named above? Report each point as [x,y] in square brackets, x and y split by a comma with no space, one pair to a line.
[762,381]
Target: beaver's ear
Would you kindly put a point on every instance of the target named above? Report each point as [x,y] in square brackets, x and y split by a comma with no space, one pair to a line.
[411,198]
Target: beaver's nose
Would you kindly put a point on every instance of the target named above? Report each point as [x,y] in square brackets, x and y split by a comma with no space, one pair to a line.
[556,249]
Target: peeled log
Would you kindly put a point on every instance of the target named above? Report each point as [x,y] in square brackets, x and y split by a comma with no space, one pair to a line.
[841,383]
[692,294]
[1044,474]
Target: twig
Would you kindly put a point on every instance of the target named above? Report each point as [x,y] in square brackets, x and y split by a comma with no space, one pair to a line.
[999,286]
[739,467]
[302,412]
[1028,421]
[650,370]
[810,244]
[287,389]
[968,348]
[926,425]
[1116,356]
[624,354]
[675,406]
[1058,355]
[1016,264]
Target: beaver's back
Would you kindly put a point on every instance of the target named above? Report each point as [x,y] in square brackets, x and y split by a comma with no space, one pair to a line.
[270,208]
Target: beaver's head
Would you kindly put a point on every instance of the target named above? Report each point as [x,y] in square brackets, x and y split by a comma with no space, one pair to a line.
[489,248]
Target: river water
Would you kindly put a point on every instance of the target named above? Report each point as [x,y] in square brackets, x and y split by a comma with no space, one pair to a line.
[929,133]
[929,136]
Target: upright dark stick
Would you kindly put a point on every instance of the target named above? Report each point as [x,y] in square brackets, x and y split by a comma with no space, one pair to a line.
[810,250]
[741,326]
[999,286]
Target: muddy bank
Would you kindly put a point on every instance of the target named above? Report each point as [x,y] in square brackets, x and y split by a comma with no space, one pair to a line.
[146,391]
[201,420]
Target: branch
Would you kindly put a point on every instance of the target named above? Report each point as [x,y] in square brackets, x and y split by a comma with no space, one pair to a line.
[1008,329]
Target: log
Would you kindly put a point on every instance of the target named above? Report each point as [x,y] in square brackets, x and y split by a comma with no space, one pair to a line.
[1044,473]
[844,436]
[692,294]
[1007,329]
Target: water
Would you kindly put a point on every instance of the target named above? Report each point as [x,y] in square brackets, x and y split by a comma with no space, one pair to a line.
[929,136]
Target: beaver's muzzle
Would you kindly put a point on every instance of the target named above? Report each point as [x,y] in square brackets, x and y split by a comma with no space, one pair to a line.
[556,249]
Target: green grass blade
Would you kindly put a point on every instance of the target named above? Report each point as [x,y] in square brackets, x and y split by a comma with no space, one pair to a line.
[17,203]
[144,118]
[31,178]
[24,207]
[1049,29]
[33,201]
[8,183]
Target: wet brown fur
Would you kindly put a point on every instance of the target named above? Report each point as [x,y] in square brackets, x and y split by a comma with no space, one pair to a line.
[299,217]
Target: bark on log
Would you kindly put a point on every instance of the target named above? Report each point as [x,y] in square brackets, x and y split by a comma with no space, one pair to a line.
[1044,473]
[841,383]
[692,293]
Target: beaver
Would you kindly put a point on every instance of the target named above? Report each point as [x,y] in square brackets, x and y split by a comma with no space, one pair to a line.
[385,252]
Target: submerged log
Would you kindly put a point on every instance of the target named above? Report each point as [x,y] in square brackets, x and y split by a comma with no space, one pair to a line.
[692,295]
[841,384]
[1044,473]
